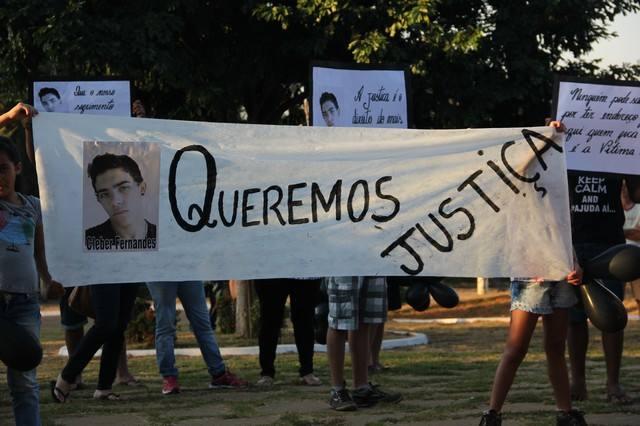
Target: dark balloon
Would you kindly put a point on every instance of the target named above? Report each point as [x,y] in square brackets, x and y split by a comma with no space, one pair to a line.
[411,280]
[393,297]
[418,297]
[19,349]
[443,294]
[621,262]
[603,308]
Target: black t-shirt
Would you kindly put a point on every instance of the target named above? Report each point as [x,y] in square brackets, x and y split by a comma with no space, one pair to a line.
[596,208]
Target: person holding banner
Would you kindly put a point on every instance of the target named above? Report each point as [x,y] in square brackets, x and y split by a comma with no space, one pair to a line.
[71,321]
[192,297]
[119,188]
[530,299]
[273,294]
[355,303]
[22,263]
[113,306]
[597,221]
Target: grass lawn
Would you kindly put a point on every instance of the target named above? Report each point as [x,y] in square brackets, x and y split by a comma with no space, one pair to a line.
[444,383]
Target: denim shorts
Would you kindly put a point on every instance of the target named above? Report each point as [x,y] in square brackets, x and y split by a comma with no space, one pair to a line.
[70,319]
[541,297]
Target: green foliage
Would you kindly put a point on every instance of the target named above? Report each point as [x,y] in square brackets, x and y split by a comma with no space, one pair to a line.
[141,328]
[474,62]
[226,320]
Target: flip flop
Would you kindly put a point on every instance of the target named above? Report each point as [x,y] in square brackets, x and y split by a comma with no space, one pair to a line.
[58,395]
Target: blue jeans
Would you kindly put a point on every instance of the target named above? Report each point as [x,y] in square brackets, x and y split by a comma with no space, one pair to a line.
[191,294]
[24,310]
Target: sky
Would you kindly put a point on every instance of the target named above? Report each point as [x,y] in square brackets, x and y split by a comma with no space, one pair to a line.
[624,48]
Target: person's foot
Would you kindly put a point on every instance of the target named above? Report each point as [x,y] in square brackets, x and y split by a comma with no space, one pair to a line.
[265,382]
[377,368]
[310,380]
[128,381]
[227,380]
[106,395]
[617,395]
[372,394]
[340,400]
[579,391]
[572,417]
[60,390]
[170,385]
[491,418]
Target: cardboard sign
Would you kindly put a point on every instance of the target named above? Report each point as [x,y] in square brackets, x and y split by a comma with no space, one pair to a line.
[108,97]
[603,124]
[362,96]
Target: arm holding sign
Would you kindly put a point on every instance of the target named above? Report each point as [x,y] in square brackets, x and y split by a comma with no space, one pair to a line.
[20,112]
[531,298]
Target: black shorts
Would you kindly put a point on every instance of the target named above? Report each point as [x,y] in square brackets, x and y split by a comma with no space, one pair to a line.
[70,319]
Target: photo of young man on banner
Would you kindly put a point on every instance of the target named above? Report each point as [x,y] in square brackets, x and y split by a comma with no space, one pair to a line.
[116,181]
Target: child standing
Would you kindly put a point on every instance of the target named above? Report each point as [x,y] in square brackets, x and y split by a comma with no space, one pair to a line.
[531,298]
[22,260]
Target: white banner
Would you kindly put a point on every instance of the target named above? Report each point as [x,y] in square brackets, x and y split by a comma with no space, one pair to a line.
[359,97]
[603,123]
[128,199]
[108,97]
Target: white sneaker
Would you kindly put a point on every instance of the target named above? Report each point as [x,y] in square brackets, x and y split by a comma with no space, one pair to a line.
[310,380]
[265,382]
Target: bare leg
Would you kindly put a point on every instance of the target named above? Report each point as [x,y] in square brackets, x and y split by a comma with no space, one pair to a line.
[335,352]
[555,336]
[376,334]
[124,376]
[359,348]
[72,339]
[612,344]
[520,331]
[578,343]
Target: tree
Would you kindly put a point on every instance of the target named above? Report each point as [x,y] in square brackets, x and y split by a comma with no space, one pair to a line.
[473,62]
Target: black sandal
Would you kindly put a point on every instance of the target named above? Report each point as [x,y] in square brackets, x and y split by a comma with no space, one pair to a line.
[57,394]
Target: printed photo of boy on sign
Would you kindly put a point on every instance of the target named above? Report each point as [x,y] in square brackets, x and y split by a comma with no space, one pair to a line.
[120,191]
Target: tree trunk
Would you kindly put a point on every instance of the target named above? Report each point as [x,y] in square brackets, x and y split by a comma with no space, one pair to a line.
[243,308]
[482,285]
